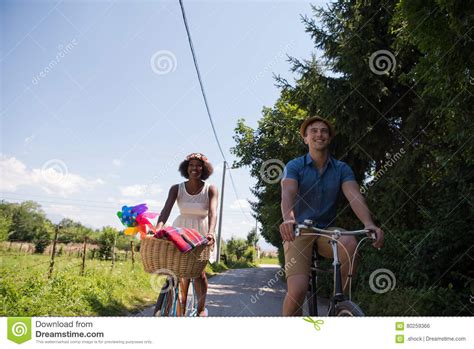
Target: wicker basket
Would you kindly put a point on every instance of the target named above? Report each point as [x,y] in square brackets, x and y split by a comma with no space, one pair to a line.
[159,254]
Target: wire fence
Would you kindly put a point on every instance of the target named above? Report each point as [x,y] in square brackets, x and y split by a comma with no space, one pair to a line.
[84,251]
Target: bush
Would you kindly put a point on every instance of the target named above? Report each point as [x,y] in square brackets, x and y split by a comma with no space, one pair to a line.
[241,264]
[250,254]
[42,239]
[106,242]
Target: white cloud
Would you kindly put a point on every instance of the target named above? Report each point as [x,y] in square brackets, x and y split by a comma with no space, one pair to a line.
[117,162]
[53,177]
[153,205]
[139,190]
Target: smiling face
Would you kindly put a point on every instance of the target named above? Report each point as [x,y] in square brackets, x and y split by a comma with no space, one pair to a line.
[317,136]
[195,168]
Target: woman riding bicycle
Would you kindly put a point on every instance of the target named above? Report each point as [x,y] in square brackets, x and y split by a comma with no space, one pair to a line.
[197,202]
[310,187]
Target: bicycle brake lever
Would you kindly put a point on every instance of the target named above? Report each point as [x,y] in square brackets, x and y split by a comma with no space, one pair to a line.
[296,230]
[372,234]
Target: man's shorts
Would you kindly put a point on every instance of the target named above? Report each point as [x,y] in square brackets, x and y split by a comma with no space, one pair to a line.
[298,254]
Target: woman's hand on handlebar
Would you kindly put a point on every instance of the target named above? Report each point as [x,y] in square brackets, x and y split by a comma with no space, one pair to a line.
[159,226]
[211,239]
[287,230]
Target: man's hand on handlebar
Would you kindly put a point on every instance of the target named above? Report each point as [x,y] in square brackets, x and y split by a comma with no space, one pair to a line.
[379,234]
[287,230]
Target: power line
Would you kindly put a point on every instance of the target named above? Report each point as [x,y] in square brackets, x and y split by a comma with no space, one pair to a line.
[188,32]
[199,78]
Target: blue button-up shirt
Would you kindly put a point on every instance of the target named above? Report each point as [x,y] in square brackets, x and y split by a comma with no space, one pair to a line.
[317,193]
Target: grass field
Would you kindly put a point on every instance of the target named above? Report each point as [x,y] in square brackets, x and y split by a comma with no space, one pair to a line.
[267,260]
[25,289]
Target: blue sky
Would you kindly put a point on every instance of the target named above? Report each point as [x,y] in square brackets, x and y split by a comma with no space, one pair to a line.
[100,101]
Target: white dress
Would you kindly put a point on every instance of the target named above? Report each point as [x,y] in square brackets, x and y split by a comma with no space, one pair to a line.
[194,210]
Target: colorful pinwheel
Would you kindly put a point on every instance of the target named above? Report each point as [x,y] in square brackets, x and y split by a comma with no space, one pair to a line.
[135,218]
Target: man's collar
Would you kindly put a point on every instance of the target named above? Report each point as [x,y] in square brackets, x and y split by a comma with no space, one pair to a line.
[308,160]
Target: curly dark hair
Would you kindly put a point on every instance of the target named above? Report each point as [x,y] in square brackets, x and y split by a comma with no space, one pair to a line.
[207,169]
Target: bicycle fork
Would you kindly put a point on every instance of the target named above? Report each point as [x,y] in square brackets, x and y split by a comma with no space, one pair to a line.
[338,295]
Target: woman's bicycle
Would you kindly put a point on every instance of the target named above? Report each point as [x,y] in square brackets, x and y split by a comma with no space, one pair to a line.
[161,258]
[338,304]
[170,301]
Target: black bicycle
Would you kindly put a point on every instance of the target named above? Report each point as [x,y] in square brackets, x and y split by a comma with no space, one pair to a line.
[338,304]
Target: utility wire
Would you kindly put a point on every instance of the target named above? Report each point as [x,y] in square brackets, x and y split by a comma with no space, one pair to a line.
[188,32]
[199,77]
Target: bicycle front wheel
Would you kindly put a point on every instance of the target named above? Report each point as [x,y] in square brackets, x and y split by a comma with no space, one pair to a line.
[166,299]
[348,308]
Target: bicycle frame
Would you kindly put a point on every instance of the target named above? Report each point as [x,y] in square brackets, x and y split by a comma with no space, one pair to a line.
[334,236]
[169,297]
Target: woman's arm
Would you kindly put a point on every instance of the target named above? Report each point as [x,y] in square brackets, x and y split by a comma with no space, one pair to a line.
[165,212]
[212,216]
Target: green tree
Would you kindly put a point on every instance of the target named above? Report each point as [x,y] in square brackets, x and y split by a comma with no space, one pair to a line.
[106,242]
[72,231]
[5,220]
[252,237]
[236,248]
[275,141]
[27,219]
[42,237]
[404,128]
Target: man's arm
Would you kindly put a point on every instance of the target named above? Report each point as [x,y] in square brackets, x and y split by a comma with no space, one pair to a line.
[289,189]
[356,200]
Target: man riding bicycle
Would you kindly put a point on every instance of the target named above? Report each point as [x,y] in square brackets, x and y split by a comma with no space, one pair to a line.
[310,188]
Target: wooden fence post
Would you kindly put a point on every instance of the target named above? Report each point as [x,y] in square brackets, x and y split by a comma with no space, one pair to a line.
[133,253]
[53,252]
[84,255]
[113,251]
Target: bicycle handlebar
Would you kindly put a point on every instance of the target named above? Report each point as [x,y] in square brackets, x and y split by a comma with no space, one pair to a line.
[308,225]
